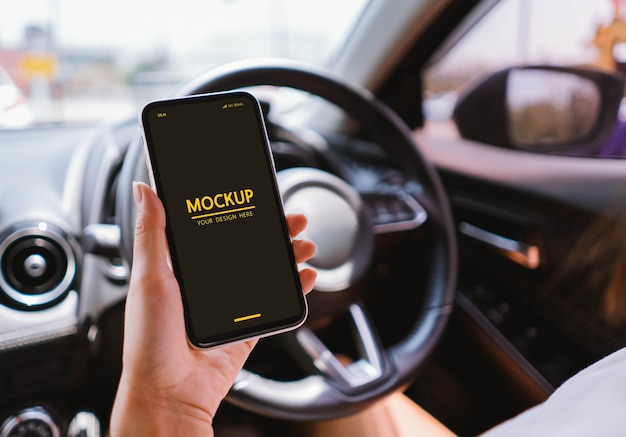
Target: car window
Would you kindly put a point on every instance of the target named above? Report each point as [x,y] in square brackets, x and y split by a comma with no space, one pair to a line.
[588,34]
[76,60]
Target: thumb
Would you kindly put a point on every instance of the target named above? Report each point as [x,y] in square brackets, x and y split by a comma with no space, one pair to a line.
[150,248]
[154,314]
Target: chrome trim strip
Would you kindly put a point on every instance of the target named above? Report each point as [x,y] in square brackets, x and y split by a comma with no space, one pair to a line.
[526,255]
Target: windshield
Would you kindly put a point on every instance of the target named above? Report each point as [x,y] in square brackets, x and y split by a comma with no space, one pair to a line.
[76,60]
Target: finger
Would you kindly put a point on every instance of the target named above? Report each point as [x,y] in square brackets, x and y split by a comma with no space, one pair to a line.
[150,248]
[296,223]
[307,279]
[303,250]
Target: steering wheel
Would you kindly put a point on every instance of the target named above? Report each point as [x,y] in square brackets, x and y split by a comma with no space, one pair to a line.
[344,223]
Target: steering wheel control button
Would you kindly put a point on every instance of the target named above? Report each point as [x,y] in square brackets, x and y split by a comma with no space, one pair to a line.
[395,212]
[37,265]
[30,422]
[338,225]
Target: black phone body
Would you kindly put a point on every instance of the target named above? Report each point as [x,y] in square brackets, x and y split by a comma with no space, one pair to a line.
[210,162]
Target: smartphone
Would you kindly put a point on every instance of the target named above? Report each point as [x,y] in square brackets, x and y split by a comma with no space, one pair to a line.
[210,162]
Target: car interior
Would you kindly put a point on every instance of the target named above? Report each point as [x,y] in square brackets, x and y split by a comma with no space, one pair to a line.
[465,191]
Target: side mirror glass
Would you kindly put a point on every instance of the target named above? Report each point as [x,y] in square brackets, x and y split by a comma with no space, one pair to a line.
[550,108]
[542,109]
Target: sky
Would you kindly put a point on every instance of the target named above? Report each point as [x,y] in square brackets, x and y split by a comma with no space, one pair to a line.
[177,24]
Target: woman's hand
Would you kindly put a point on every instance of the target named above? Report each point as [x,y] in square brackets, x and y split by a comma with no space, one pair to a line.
[167,387]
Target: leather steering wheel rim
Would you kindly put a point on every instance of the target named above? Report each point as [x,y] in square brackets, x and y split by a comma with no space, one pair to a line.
[314,397]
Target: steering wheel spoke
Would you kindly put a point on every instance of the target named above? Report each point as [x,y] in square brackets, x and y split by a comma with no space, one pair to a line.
[368,369]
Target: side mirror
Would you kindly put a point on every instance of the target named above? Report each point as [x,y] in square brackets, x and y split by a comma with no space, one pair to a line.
[541,108]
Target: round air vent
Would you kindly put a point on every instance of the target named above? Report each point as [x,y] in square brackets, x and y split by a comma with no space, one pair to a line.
[37,264]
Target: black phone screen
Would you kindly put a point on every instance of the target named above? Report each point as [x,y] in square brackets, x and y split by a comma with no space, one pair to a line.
[228,239]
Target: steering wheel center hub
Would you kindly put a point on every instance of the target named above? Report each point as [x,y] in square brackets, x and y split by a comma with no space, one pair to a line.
[333,224]
[338,225]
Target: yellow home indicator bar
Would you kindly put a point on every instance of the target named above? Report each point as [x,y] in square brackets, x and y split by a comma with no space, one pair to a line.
[250,317]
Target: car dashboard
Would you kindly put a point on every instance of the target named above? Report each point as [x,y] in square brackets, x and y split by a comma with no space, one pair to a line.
[63,280]
[56,182]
